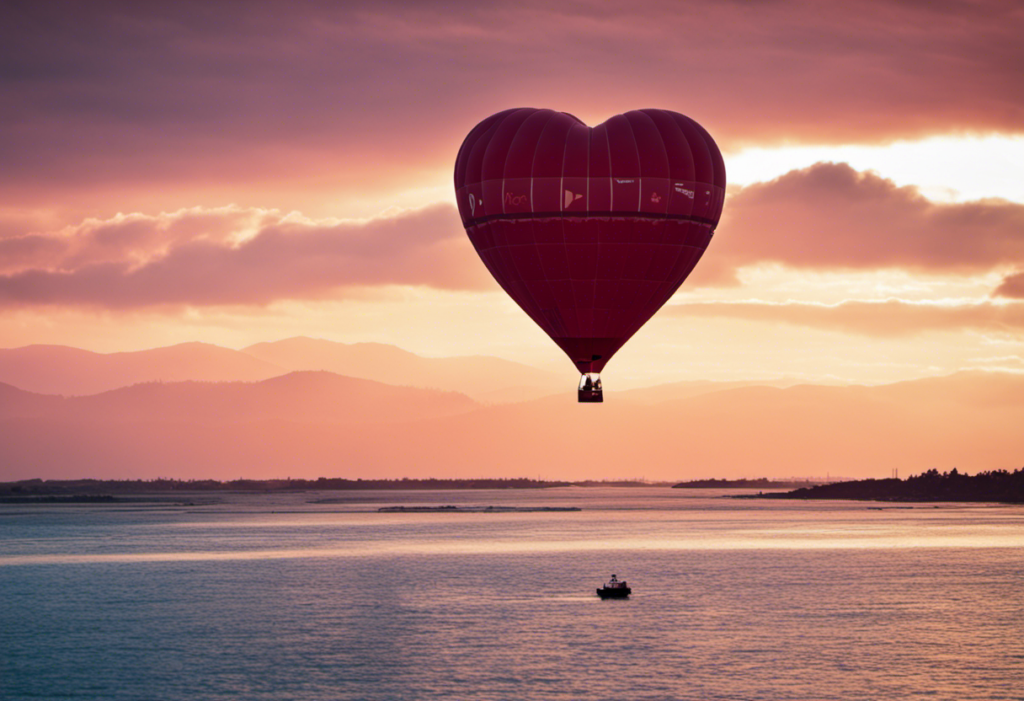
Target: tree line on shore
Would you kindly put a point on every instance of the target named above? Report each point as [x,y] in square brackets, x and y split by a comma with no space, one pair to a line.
[39,487]
[932,485]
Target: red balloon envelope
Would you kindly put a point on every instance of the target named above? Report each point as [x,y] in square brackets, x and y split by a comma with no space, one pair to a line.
[589,229]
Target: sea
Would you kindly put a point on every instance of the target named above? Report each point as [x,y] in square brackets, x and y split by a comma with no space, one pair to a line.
[318,595]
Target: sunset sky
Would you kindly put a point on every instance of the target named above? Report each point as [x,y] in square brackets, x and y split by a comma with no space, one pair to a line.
[237,173]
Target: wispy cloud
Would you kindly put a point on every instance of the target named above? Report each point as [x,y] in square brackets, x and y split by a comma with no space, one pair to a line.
[830,216]
[825,218]
[1012,286]
[235,256]
[156,92]
[888,318]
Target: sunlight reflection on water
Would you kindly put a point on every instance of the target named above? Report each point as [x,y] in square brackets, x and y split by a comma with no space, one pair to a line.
[268,598]
[826,541]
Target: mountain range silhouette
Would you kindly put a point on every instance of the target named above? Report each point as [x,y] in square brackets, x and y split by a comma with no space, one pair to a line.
[310,408]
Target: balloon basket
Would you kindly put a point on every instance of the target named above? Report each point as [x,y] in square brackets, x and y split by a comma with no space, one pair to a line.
[590,389]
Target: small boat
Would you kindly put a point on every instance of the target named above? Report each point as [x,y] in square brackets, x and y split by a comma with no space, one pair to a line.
[614,589]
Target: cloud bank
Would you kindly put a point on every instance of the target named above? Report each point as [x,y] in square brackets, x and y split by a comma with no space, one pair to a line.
[234,256]
[884,319]
[831,217]
[119,92]
[1012,286]
[828,217]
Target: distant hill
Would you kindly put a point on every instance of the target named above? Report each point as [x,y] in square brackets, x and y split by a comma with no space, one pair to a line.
[300,397]
[691,388]
[484,378]
[72,371]
[17,403]
[316,424]
[762,483]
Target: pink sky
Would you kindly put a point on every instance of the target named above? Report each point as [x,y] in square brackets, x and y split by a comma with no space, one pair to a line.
[178,172]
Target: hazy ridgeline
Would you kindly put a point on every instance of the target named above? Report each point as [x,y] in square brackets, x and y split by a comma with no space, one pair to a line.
[283,409]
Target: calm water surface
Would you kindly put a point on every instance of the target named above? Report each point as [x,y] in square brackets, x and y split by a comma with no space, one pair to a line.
[295,597]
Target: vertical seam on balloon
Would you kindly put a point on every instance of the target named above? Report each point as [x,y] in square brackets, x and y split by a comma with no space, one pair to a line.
[489,136]
[705,145]
[635,222]
[611,191]
[611,204]
[590,133]
[561,188]
[565,246]
[484,127]
[483,158]
[653,223]
[533,162]
[712,149]
[693,159]
[639,165]
[504,166]
[611,179]
[507,249]
[719,191]
[711,157]
[458,158]
[485,140]
[525,289]
[496,248]
[664,149]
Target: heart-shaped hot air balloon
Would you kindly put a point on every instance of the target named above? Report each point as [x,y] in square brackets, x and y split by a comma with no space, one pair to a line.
[589,229]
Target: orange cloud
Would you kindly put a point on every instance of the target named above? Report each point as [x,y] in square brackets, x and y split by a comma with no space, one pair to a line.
[826,217]
[831,216]
[237,256]
[1012,286]
[29,251]
[364,95]
[889,318]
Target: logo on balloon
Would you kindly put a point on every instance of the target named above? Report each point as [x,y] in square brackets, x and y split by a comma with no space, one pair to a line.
[684,191]
[517,200]
[472,204]
[570,197]
[655,197]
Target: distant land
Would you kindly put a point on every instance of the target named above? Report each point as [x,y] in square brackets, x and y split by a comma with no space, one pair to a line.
[762,483]
[992,486]
[997,486]
[472,509]
[94,491]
